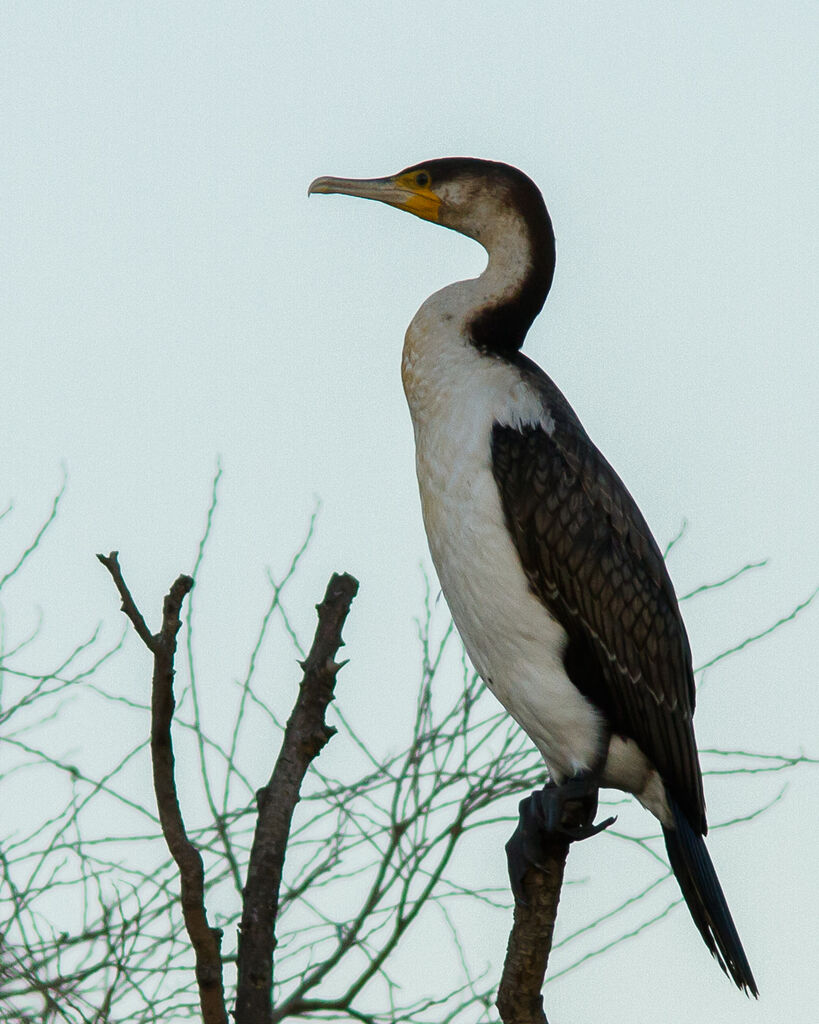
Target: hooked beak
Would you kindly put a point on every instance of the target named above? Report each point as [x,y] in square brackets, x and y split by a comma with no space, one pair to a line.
[399,190]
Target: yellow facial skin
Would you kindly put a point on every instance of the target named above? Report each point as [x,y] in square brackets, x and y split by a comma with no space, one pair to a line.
[411,192]
[422,200]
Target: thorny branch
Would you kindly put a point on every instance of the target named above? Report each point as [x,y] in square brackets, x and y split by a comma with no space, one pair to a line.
[206,941]
[304,738]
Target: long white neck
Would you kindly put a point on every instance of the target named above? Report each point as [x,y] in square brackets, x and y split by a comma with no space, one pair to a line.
[509,249]
[439,344]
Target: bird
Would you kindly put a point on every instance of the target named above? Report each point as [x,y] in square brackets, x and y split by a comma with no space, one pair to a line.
[554,580]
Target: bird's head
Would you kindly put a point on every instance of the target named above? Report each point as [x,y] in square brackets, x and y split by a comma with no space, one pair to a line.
[498,206]
[473,197]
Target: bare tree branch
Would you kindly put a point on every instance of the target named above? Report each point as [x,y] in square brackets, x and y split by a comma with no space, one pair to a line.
[206,941]
[92,925]
[530,942]
[305,736]
[129,608]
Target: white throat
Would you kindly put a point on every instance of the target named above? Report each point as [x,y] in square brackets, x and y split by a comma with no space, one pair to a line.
[506,240]
[507,243]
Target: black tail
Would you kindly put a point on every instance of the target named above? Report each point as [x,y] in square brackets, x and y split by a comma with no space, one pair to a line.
[703,894]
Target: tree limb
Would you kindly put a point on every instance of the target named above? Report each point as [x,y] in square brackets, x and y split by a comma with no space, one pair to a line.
[520,999]
[304,737]
[206,941]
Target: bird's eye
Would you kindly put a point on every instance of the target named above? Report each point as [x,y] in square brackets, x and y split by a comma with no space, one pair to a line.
[422,179]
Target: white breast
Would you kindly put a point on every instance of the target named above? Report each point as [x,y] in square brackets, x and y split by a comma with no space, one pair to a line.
[455,395]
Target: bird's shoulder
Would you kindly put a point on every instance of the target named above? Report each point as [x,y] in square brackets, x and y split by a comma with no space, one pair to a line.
[559,446]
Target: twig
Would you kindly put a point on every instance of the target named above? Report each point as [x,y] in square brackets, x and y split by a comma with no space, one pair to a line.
[52,515]
[759,636]
[305,736]
[748,567]
[206,941]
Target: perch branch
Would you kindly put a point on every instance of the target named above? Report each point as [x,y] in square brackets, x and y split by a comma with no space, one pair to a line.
[520,998]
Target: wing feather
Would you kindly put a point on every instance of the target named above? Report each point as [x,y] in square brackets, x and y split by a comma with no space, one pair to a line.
[590,557]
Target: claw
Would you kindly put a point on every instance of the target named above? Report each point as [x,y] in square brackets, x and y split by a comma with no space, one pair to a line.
[587,831]
[542,814]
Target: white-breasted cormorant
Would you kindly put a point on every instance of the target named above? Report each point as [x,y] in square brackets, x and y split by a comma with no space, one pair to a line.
[555,583]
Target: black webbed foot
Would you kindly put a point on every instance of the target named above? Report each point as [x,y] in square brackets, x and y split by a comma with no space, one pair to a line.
[567,810]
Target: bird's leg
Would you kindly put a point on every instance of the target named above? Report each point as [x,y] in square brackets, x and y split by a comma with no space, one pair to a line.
[566,810]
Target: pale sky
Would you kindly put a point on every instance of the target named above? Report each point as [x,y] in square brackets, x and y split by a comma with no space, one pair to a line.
[168,295]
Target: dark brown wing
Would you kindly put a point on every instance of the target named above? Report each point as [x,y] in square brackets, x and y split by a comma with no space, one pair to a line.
[592,560]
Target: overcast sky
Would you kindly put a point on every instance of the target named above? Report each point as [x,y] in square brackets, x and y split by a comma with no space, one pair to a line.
[169,296]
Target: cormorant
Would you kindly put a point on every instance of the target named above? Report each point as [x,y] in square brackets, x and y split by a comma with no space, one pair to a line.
[554,580]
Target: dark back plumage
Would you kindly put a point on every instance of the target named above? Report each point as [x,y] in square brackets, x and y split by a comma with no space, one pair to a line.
[590,557]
